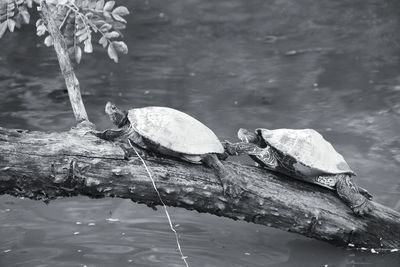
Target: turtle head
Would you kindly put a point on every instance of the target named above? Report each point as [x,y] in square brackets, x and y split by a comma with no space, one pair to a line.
[247,136]
[117,116]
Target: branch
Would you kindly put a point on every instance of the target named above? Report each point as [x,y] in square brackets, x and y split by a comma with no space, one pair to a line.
[50,165]
[64,61]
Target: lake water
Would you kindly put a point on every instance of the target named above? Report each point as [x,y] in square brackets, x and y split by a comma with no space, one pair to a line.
[329,65]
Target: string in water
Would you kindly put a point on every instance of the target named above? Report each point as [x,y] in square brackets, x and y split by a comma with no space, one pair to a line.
[162,203]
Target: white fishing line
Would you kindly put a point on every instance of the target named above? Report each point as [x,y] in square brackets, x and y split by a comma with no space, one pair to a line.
[162,202]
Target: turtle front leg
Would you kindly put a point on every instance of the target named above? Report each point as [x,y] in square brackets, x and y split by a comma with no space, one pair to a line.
[349,193]
[109,135]
[365,193]
[265,157]
[236,149]
[232,185]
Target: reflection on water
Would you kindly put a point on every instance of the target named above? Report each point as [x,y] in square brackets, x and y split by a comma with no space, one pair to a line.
[328,65]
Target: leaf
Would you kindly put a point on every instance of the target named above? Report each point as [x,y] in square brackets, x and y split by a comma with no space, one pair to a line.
[79,23]
[112,53]
[48,41]
[88,46]
[18,20]
[80,32]
[11,13]
[107,15]
[89,15]
[100,5]
[120,47]
[3,28]
[83,37]
[59,2]
[105,27]
[29,3]
[103,41]
[112,34]
[98,22]
[92,4]
[78,54]
[11,25]
[120,11]
[84,3]
[109,6]
[25,16]
[119,25]
[119,18]
[40,30]
[71,51]
[39,22]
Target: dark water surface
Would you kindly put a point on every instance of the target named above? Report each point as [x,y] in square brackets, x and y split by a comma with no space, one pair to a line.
[329,65]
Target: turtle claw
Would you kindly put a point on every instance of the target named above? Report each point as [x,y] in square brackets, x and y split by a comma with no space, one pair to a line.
[231,189]
[229,149]
[98,134]
[223,156]
[363,209]
[86,125]
[365,193]
[148,154]
[145,154]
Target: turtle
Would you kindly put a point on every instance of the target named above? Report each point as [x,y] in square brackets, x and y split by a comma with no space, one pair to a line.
[305,155]
[173,133]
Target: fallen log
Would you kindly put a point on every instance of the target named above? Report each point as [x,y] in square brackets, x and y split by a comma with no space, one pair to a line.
[45,166]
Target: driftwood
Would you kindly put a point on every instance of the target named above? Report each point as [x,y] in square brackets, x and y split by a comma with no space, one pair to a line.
[44,166]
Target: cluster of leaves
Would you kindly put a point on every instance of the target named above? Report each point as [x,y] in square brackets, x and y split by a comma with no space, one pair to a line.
[79,21]
[13,13]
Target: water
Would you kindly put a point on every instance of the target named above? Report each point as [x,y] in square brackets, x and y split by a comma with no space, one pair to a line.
[328,65]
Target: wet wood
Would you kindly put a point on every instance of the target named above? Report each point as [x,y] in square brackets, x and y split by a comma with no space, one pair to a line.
[67,70]
[45,166]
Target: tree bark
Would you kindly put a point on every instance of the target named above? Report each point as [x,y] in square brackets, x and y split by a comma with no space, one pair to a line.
[45,166]
[67,70]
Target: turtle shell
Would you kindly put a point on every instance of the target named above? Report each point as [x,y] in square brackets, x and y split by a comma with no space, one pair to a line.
[312,154]
[174,130]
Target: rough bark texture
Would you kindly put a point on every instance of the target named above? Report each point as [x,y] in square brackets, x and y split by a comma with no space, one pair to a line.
[49,165]
[72,83]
